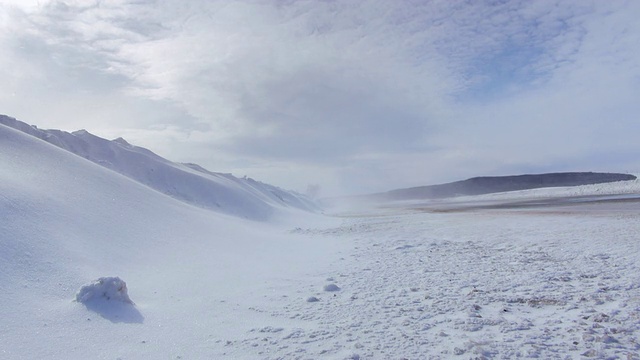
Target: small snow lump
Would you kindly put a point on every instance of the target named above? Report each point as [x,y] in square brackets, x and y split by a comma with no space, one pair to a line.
[331,287]
[105,289]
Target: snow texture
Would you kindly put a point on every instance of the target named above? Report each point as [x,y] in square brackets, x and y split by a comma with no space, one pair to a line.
[543,284]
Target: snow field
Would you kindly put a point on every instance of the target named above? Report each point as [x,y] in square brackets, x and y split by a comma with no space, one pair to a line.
[474,285]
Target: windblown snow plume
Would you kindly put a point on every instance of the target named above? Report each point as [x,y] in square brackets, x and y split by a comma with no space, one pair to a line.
[105,288]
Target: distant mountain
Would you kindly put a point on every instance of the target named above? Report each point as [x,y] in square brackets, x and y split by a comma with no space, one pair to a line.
[495,184]
[190,183]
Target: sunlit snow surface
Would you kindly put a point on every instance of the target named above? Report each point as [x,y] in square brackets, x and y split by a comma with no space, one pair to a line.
[540,284]
[189,183]
[414,281]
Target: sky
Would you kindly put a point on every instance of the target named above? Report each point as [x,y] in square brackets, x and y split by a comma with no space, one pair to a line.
[348,96]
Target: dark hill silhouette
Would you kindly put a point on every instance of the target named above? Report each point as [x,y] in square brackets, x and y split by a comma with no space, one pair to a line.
[495,184]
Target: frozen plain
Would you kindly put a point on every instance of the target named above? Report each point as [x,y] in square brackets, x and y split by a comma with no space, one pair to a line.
[550,282]
[415,282]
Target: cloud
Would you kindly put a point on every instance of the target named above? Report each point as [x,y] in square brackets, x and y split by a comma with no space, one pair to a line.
[582,107]
[291,78]
[378,92]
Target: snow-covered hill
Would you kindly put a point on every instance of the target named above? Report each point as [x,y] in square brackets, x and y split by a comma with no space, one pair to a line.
[191,272]
[494,185]
[190,183]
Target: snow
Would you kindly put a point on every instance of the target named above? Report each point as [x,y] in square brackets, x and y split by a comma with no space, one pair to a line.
[495,284]
[194,274]
[331,287]
[190,183]
[109,298]
[555,281]
[104,289]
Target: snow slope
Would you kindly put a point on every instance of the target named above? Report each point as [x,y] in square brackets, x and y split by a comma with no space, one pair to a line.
[193,274]
[190,183]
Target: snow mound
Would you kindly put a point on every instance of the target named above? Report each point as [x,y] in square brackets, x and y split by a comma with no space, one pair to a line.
[331,287]
[106,289]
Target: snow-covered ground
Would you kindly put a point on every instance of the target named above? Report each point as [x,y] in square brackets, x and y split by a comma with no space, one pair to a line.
[193,274]
[389,283]
[487,284]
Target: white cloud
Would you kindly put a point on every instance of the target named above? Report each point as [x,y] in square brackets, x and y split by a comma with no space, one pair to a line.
[397,93]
